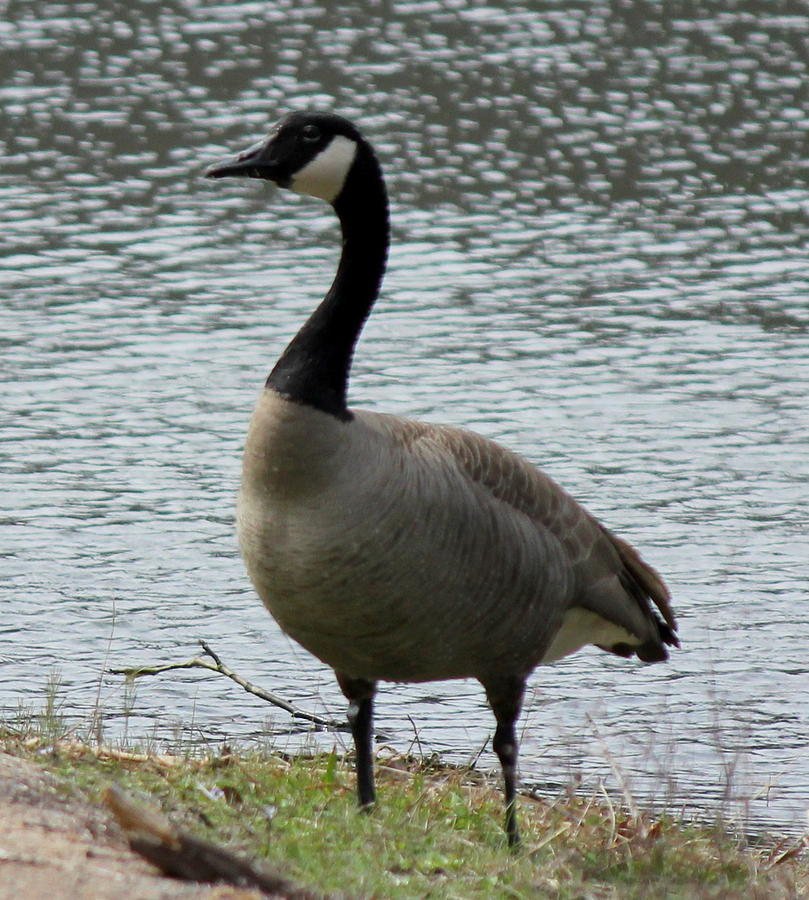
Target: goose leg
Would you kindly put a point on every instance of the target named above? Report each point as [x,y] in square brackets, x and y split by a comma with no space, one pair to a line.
[360,696]
[505,698]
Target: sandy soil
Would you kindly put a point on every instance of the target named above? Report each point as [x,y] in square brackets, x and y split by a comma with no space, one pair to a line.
[58,848]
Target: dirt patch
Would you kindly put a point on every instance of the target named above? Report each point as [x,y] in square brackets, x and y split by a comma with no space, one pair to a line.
[55,847]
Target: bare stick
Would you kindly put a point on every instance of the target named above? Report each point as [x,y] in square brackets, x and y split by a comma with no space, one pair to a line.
[221,669]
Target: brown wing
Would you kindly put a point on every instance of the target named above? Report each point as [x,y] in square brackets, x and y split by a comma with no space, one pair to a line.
[614,582]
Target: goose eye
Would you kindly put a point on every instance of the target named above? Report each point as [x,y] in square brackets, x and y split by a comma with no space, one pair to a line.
[310,133]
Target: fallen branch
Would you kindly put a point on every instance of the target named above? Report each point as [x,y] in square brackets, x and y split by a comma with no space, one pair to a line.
[221,669]
[181,855]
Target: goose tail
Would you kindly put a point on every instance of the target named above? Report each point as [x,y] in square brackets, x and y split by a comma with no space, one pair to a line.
[645,584]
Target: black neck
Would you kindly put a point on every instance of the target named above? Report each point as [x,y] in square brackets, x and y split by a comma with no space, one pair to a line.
[314,368]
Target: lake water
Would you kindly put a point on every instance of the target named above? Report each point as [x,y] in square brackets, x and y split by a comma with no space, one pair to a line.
[601,224]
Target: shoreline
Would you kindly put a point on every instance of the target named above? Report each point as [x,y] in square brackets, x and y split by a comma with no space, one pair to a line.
[436,830]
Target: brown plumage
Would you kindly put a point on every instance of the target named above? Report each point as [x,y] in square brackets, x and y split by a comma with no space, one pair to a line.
[401,551]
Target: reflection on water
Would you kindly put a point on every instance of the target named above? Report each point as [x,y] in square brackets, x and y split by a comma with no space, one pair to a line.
[600,258]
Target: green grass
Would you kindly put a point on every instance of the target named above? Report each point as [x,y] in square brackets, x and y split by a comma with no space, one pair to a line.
[435,832]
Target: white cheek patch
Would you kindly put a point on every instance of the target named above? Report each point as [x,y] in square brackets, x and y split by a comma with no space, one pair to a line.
[325,175]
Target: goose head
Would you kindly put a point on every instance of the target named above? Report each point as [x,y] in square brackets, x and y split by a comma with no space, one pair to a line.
[324,155]
[310,152]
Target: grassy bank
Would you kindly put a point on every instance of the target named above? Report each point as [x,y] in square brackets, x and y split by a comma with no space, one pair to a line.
[436,831]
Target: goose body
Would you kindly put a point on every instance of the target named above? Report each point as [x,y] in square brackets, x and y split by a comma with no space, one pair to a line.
[398,550]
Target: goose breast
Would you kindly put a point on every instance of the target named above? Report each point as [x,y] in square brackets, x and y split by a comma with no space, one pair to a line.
[391,550]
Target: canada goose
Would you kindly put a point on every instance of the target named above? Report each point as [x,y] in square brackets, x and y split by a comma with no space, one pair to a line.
[400,551]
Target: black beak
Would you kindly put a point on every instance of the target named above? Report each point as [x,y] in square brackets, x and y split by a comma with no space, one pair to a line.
[255,162]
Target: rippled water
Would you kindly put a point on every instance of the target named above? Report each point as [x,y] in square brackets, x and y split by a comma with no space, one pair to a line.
[601,217]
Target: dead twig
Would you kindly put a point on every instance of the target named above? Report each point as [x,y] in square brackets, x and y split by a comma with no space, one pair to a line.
[221,669]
